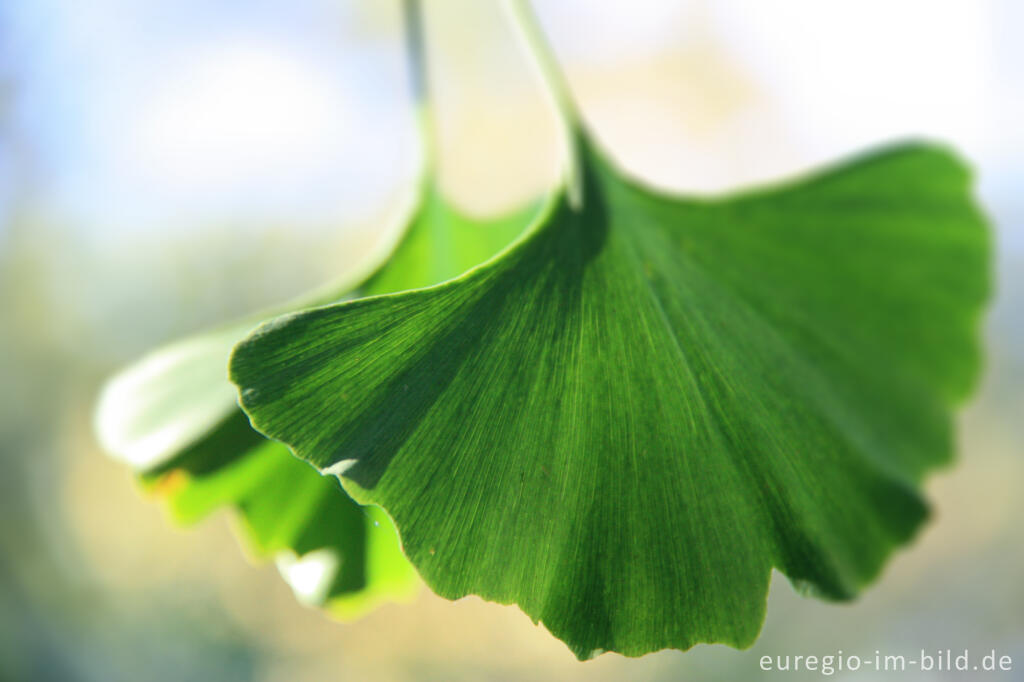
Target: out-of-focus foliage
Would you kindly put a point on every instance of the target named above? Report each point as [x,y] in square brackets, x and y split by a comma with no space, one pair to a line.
[173,416]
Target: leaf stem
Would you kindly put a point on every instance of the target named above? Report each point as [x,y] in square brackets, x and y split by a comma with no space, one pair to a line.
[419,79]
[416,60]
[557,88]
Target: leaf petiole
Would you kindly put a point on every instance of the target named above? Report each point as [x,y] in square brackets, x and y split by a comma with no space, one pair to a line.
[557,87]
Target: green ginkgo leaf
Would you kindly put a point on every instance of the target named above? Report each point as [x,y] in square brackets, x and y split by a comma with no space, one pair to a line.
[332,551]
[626,419]
[174,417]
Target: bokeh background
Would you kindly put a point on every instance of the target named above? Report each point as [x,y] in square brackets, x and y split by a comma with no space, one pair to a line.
[166,165]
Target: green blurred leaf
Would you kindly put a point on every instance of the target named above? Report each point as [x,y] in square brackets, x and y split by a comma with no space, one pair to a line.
[623,422]
[174,417]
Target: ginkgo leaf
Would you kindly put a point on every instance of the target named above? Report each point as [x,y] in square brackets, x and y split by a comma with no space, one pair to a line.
[331,551]
[174,417]
[626,419]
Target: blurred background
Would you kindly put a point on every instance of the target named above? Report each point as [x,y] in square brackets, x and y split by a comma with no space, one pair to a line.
[167,165]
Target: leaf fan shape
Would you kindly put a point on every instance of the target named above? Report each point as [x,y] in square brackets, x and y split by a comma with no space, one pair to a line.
[626,419]
[174,417]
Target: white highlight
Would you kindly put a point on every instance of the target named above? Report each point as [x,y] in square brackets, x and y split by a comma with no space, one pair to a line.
[338,468]
[310,575]
[150,410]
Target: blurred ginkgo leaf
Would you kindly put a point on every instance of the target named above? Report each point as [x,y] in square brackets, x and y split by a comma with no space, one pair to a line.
[174,417]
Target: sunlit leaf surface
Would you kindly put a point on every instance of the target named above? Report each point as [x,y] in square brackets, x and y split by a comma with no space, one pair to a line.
[623,422]
[174,417]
